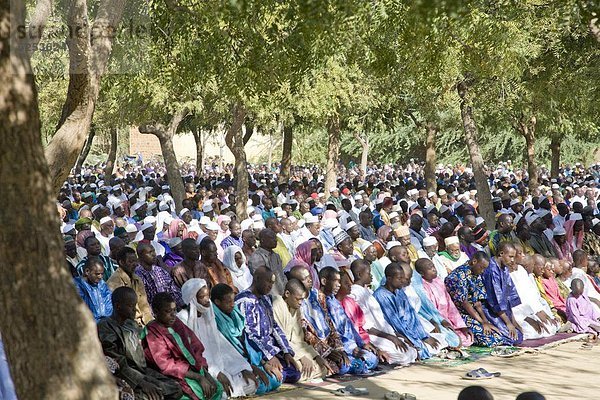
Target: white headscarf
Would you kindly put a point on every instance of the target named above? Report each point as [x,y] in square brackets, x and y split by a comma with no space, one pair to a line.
[242,277]
[220,355]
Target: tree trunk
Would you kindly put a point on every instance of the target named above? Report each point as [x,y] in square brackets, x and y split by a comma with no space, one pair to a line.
[364,143]
[430,157]
[89,52]
[555,163]
[112,154]
[484,196]
[86,149]
[249,127]
[50,336]
[286,154]
[165,137]
[270,159]
[235,141]
[527,130]
[199,138]
[333,152]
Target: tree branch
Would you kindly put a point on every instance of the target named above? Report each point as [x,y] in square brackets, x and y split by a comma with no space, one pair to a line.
[42,11]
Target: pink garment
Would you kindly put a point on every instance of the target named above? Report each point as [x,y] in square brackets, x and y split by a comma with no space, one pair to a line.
[563,252]
[581,313]
[553,292]
[570,233]
[303,258]
[174,228]
[437,293]
[357,316]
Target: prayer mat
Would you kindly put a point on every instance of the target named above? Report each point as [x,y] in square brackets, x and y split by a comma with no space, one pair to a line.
[554,340]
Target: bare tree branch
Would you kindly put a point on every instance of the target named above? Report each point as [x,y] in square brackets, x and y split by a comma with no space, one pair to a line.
[37,24]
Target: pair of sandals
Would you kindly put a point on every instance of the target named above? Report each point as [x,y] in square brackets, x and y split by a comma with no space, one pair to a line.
[398,396]
[454,354]
[480,373]
[354,391]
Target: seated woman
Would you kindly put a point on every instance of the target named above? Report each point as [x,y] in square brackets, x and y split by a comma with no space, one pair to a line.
[224,362]
[174,350]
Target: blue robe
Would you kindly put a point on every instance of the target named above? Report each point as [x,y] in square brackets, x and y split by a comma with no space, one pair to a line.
[402,317]
[96,297]
[502,296]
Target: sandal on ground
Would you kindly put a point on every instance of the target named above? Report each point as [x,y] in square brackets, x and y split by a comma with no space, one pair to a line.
[480,373]
[502,351]
[351,391]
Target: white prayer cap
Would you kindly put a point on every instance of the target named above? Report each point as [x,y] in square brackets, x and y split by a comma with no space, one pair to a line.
[174,242]
[531,217]
[350,225]
[451,240]
[105,220]
[204,220]
[150,220]
[281,214]
[429,241]
[165,187]
[511,190]
[224,207]
[258,224]
[96,207]
[86,194]
[105,188]
[146,226]
[378,201]
[212,226]
[168,219]
[365,245]
[555,186]
[402,231]
[249,202]
[358,197]
[130,228]
[292,219]
[225,218]
[391,244]
[246,224]
[441,192]
[183,211]
[163,206]
[321,194]
[207,207]
[257,217]
[310,219]
[559,231]
[137,205]
[384,261]
[332,189]
[393,214]
[430,195]
[514,202]
[595,221]
[480,220]
[116,187]
[575,217]
[396,208]
[67,228]
[151,206]
[457,205]
[93,185]
[542,212]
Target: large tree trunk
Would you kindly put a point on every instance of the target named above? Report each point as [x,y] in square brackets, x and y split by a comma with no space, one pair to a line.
[333,152]
[430,157]
[555,162]
[89,52]
[199,138]
[235,141]
[112,154]
[49,333]
[249,126]
[527,129]
[86,149]
[286,154]
[165,137]
[484,196]
[364,157]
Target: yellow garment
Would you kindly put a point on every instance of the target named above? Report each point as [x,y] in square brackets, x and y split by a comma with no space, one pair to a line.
[119,278]
[283,252]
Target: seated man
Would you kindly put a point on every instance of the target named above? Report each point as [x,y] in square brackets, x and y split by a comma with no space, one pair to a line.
[362,359]
[502,295]
[94,249]
[125,276]
[224,362]
[533,314]
[94,292]
[174,350]
[155,278]
[319,331]
[399,313]
[287,313]
[190,267]
[263,331]
[381,334]
[539,267]
[230,323]
[119,335]
[436,292]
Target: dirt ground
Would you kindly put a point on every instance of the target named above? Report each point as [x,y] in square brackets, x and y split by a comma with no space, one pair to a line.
[561,373]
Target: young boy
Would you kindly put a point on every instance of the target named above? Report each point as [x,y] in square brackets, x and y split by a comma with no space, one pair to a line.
[581,313]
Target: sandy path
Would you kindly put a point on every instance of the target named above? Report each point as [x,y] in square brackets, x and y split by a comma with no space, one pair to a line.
[564,372]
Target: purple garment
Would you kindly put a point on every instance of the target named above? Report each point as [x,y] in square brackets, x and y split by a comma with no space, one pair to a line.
[262,329]
[230,241]
[158,280]
[582,313]
[502,296]
[469,250]
[172,259]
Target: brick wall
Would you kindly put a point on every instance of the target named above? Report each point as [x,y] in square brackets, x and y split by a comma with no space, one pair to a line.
[147,145]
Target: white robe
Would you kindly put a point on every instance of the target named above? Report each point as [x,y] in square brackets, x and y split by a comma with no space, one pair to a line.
[374,318]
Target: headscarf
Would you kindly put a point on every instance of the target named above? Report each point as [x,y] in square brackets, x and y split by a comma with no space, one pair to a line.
[383,233]
[570,233]
[174,228]
[303,258]
[229,260]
